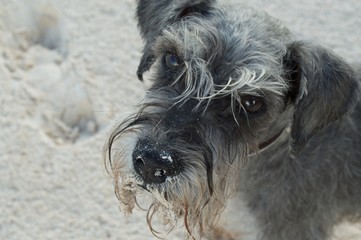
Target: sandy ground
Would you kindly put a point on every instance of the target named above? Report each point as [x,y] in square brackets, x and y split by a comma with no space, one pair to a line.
[67,71]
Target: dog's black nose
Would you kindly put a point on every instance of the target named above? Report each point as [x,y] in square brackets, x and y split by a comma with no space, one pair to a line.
[155,163]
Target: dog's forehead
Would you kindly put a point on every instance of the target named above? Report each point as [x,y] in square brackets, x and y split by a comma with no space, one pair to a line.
[226,35]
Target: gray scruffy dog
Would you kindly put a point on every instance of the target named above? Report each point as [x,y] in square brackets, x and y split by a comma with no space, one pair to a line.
[237,104]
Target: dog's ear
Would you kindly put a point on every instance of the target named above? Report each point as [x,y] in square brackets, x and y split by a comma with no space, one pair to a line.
[323,89]
[154,15]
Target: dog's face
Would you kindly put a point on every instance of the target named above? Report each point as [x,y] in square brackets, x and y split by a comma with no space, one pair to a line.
[226,84]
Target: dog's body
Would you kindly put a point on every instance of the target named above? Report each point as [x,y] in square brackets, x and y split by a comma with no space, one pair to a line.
[238,104]
[304,197]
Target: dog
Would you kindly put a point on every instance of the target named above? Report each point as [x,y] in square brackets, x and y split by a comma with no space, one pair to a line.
[238,104]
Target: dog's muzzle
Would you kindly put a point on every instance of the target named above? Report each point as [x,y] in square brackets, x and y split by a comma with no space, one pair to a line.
[154,162]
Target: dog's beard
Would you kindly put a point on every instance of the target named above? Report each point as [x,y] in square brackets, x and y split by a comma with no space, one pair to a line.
[155,199]
[186,199]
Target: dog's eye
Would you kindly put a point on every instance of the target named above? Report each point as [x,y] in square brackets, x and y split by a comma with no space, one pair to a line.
[171,60]
[252,104]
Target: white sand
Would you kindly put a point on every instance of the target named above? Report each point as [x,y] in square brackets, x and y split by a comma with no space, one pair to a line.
[56,107]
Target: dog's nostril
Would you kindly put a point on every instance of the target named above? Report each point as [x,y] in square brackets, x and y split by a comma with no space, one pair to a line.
[139,162]
[160,173]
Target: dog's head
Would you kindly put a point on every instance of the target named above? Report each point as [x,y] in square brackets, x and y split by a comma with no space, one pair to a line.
[226,83]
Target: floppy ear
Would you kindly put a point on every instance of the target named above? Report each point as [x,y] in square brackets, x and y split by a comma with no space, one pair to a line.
[324,90]
[154,15]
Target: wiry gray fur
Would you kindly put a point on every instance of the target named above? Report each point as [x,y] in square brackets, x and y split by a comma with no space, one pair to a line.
[297,159]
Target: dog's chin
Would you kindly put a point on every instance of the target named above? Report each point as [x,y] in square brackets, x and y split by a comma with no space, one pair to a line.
[165,206]
[133,192]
